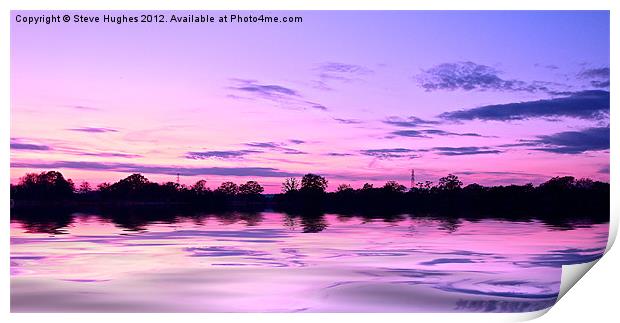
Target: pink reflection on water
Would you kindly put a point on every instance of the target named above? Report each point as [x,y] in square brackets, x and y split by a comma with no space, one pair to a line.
[265,262]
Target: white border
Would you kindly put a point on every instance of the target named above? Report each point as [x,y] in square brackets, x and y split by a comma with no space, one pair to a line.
[593,298]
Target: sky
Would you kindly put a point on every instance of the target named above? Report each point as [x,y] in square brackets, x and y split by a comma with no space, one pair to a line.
[494,97]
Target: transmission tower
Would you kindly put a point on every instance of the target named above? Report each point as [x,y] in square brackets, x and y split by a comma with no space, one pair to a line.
[412,178]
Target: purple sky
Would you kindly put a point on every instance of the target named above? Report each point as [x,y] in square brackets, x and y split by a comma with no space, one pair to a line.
[494,97]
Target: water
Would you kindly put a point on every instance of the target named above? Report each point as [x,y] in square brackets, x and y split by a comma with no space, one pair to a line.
[273,262]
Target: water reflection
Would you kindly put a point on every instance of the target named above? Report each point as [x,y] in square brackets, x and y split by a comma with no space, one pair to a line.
[168,260]
[54,220]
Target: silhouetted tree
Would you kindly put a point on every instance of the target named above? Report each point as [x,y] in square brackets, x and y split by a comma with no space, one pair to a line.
[200,187]
[228,188]
[131,185]
[290,184]
[84,188]
[584,183]
[104,187]
[394,187]
[474,188]
[558,183]
[46,185]
[312,183]
[344,188]
[450,182]
[251,188]
[169,189]
[426,186]
[553,201]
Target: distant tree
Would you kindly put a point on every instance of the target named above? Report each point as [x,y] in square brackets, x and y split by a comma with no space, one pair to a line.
[474,188]
[450,182]
[584,183]
[130,184]
[558,183]
[228,188]
[367,186]
[84,188]
[344,188]
[170,187]
[58,183]
[104,187]
[29,180]
[427,185]
[251,188]
[46,185]
[290,185]
[313,183]
[394,187]
[200,187]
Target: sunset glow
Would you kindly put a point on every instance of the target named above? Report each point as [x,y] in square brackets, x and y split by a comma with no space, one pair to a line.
[494,97]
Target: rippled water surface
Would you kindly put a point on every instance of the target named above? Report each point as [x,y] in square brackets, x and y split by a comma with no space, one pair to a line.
[272,262]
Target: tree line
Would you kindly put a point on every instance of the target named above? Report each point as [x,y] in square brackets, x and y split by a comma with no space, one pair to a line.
[557,195]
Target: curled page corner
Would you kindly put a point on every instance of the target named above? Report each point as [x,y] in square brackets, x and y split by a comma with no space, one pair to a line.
[527,316]
[571,274]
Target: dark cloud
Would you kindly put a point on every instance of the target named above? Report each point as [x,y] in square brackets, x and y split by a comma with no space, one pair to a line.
[338,154]
[287,97]
[347,121]
[446,261]
[604,170]
[291,151]
[151,169]
[318,106]
[548,66]
[497,173]
[602,72]
[593,104]
[18,144]
[600,84]
[386,153]
[409,122]
[279,147]
[426,133]
[470,76]
[460,151]
[342,72]
[573,142]
[410,133]
[599,76]
[448,133]
[93,129]
[339,72]
[263,144]
[82,107]
[24,146]
[296,141]
[220,154]
[332,67]
[444,151]
[266,90]
[108,154]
